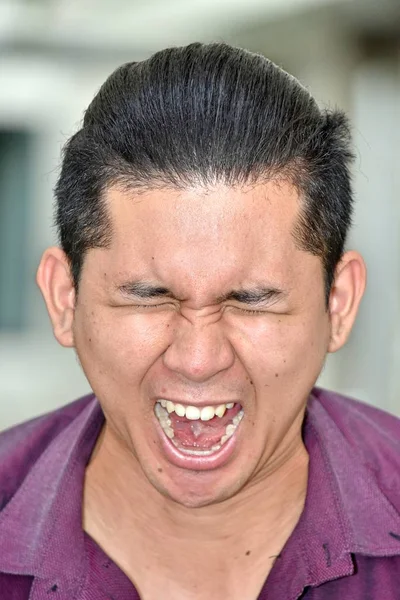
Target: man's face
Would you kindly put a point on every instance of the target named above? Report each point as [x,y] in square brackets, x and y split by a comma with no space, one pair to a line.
[203,300]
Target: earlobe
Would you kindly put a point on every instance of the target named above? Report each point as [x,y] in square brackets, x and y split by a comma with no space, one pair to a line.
[55,282]
[346,294]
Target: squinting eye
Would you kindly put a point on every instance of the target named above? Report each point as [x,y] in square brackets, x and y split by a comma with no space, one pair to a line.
[251,312]
[246,311]
[148,306]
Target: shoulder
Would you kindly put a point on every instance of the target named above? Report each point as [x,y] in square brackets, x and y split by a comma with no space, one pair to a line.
[22,445]
[372,435]
[361,423]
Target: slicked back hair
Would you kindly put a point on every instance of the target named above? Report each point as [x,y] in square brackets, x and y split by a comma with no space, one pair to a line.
[200,115]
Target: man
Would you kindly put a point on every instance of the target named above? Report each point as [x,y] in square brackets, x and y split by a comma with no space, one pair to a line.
[202,278]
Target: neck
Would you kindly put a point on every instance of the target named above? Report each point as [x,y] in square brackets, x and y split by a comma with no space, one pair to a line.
[121,504]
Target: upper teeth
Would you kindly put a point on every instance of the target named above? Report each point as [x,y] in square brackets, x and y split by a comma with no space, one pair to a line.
[193,412]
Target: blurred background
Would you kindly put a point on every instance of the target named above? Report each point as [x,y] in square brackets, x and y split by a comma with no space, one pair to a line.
[54,55]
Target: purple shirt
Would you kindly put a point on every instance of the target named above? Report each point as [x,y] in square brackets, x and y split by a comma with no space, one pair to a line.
[346,544]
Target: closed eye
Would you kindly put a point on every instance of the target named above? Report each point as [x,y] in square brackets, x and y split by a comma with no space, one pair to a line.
[250,311]
[265,310]
[149,306]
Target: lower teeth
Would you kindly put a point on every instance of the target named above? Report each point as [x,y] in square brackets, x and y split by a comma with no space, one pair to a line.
[165,422]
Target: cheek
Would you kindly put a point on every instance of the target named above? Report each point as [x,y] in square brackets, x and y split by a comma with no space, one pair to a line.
[117,345]
[282,349]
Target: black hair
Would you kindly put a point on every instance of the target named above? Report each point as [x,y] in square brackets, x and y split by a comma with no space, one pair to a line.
[203,114]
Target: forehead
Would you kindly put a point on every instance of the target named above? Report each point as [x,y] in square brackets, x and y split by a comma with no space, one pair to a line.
[222,210]
[198,232]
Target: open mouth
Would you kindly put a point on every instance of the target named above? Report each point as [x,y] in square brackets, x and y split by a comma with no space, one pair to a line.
[198,431]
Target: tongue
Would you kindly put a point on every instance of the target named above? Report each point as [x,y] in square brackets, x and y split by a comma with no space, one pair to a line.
[201,434]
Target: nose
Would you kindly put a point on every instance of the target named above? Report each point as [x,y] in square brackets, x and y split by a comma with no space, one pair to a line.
[199,351]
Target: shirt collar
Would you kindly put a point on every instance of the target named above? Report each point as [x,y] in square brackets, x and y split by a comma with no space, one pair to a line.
[43,521]
[367,514]
[345,511]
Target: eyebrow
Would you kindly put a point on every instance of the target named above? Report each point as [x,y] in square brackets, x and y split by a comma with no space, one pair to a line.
[251,296]
[143,290]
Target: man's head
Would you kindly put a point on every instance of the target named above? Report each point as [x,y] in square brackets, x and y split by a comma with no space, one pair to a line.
[203,209]
[201,115]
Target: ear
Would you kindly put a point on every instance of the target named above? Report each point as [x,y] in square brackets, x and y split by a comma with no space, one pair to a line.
[345,297]
[55,282]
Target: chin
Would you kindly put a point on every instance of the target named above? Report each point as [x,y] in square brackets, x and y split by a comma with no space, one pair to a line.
[196,489]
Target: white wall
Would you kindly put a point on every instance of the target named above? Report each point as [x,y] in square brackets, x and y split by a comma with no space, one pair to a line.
[370,364]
